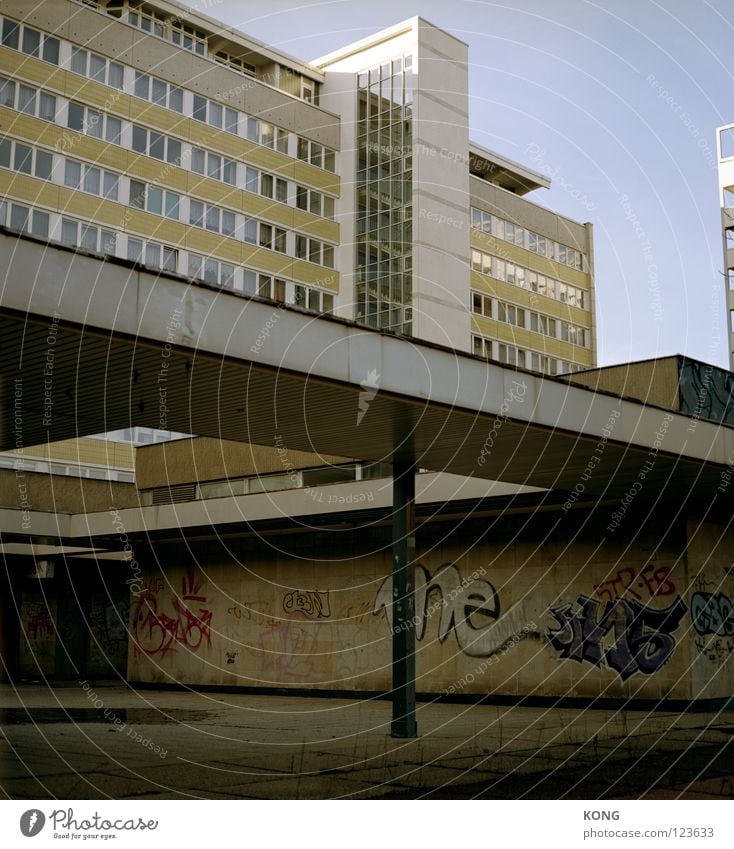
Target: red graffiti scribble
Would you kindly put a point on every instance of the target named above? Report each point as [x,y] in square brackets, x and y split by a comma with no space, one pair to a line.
[288,648]
[40,625]
[652,581]
[155,632]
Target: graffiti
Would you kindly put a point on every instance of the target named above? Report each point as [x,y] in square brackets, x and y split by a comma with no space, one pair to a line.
[231,656]
[108,626]
[155,632]
[39,625]
[712,614]
[288,649]
[648,582]
[716,651]
[469,607]
[313,604]
[244,611]
[627,635]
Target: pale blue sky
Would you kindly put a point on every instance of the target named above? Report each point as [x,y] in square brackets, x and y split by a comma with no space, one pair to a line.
[564,86]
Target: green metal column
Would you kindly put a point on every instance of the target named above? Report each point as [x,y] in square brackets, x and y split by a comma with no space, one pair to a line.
[403,605]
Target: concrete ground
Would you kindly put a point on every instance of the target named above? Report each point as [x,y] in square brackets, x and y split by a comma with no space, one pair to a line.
[112,742]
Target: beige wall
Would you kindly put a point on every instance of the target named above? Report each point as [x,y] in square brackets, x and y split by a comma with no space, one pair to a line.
[61,494]
[652,381]
[274,620]
[204,459]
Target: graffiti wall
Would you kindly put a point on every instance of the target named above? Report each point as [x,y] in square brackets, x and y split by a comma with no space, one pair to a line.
[109,614]
[711,619]
[38,632]
[548,619]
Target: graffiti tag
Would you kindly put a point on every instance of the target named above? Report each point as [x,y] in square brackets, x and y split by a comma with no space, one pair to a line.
[712,614]
[155,632]
[647,582]
[467,607]
[627,635]
[310,603]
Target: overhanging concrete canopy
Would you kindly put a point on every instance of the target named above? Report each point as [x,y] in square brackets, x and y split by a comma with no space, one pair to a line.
[98,345]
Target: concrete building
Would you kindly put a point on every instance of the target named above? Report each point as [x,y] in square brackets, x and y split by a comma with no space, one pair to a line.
[348,185]
[725,147]
[217,231]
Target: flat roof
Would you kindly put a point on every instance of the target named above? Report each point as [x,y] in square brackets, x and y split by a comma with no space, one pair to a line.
[508,174]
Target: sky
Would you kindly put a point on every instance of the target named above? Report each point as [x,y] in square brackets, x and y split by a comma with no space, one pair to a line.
[618,101]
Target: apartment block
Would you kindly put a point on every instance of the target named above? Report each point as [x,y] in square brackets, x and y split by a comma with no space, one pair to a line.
[348,185]
[725,145]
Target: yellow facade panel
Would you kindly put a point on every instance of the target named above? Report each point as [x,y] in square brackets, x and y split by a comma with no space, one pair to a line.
[29,189]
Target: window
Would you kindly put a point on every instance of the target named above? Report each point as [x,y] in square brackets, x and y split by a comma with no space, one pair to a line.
[96,67]
[314,251]
[316,154]
[95,239]
[152,22]
[511,355]
[481,220]
[574,335]
[27,99]
[155,200]
[211,270]
[30,41]
[571,295]
[90,179]
[24,159]
[543,324]
[266,185]
[212,218]
[160,257]
[482,347]
[314,202]
[210,112]
[510,314]
[158,92]
[26,220]
[214,166]
[263,133]
[156,145]
[313,299]
[94,123]
[273,238]
[189,38]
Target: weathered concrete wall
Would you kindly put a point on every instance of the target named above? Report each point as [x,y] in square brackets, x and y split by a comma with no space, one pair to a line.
[523,611]
[205,459]
[711,643]
[61,494]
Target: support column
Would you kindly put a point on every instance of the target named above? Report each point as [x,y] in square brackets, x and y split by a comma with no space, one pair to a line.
[403,634]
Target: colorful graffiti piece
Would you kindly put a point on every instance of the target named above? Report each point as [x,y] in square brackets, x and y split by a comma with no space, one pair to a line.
[309,603]
[468,607]
[157,633]
[712,614]
[651,580]
[626,635]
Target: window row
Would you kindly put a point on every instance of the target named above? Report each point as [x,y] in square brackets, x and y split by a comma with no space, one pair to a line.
[316,154]
[314,251]
[30,41]
[509,232]
[27,99]
[529,320]
[512,355]
[96,67]
[99,125]
[25,160]
[525,278]
[160,257]
[147,87]
[108,185]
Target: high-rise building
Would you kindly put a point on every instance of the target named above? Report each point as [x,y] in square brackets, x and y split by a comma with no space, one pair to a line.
[725,140]
[348,185]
